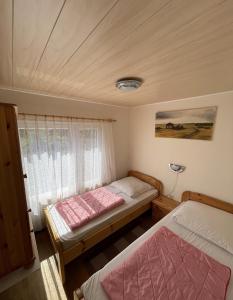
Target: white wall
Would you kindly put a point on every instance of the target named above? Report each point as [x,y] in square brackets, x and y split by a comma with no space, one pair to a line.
[38,104]
[209,163]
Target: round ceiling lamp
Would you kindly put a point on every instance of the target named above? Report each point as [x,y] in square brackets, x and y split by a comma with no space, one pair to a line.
[129,84]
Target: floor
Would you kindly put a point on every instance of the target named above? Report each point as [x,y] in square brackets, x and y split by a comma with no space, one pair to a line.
[29,288]
[21,273]
[45,284]
[42,284]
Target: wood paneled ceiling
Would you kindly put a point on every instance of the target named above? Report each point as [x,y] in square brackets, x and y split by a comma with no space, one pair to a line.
[79,48]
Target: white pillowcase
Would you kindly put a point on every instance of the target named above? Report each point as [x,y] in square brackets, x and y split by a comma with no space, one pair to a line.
[208,222]
[132,186]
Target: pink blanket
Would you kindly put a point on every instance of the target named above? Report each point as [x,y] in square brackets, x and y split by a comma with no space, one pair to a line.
[167,267]
[79,210]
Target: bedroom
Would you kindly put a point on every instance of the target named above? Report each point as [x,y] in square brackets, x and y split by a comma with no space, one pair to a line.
[59,64]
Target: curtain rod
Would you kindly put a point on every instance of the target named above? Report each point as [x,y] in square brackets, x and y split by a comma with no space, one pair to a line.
[67,117]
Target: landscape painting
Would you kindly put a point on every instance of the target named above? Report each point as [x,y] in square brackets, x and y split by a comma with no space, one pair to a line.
[197,123]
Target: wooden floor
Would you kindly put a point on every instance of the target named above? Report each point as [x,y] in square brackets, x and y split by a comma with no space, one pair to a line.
[45,283]
[26,288]
[42,284]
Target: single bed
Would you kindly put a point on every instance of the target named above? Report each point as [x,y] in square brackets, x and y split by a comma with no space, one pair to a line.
[92,288]
[70,244]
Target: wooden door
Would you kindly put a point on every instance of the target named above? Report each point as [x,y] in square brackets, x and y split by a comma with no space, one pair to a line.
[15,238]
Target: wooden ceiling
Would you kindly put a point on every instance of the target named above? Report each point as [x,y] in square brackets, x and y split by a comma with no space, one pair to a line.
[79,48]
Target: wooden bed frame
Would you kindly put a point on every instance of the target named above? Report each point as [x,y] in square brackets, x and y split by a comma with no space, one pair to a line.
[188,195]
[228,207]
[64,256]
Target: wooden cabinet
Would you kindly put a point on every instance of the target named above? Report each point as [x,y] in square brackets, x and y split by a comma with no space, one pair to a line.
[15,236]
[161,206]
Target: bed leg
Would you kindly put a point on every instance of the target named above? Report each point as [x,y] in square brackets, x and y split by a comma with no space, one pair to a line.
[61,265]
[61,270]
[78,295]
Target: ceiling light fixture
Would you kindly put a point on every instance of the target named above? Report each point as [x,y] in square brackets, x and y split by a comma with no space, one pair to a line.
[129,84]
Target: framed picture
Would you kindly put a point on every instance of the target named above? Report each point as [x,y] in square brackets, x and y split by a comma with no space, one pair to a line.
[196,123]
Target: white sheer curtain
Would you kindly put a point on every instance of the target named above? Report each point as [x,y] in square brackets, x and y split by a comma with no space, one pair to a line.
[63,157]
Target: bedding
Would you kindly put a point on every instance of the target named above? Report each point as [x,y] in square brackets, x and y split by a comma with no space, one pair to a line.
[131,186]
[69,237]
[160,269]
[92,288]
[81,209]
[209,222]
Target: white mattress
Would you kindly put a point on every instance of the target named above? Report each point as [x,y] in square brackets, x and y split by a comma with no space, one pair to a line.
[93,290]
[69,237]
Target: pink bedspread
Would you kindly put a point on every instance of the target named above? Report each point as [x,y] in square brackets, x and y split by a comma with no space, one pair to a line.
[78,210]
[167,267]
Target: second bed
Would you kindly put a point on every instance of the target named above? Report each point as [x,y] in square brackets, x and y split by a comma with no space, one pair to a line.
[92,288]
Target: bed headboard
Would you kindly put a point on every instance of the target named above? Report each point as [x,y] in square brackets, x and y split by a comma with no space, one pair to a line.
[148,179]
[207,200]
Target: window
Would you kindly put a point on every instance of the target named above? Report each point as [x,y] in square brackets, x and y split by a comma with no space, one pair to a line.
[64,157]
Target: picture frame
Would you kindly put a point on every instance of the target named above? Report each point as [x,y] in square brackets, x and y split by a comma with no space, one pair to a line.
[195,123]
